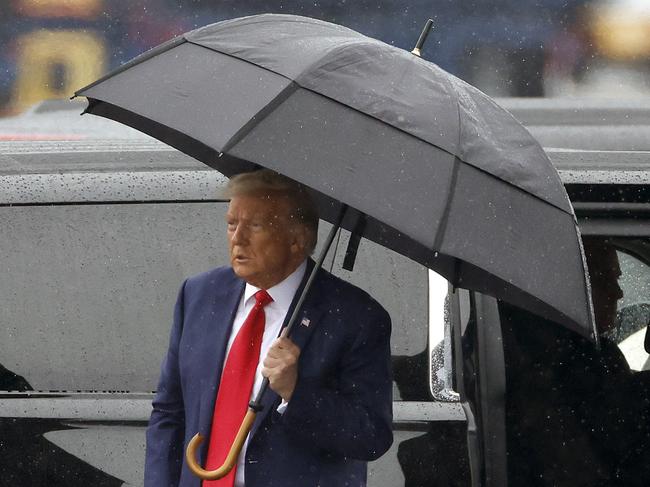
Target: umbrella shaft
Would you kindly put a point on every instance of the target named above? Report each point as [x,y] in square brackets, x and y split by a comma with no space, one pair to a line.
[256,404]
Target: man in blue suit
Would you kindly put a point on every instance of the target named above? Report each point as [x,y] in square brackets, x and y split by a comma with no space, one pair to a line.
[329,408]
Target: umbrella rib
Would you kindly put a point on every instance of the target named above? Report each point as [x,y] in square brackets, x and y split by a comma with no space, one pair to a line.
[289,90]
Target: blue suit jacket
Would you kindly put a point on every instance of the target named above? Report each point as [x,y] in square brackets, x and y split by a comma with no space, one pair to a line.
[340,414]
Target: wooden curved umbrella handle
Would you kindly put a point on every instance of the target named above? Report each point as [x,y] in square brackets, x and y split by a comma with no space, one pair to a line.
[231,458]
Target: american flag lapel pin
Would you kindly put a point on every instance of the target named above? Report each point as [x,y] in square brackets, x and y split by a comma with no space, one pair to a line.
[305,322]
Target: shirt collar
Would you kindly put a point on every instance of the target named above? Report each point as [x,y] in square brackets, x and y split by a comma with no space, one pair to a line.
[283,292]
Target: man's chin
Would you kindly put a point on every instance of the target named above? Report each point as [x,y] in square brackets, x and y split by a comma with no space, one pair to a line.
[240,269]
[245,272]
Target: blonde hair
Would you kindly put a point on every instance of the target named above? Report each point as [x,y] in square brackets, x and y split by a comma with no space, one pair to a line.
[267,182]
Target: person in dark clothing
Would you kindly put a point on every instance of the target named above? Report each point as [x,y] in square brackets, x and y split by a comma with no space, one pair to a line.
[574,408]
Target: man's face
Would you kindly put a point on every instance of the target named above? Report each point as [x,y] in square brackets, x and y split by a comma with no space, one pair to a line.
[264,246]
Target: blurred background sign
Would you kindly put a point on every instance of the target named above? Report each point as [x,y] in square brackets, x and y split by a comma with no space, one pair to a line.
[505,47]
[51,63]
[622,29]
[83,9]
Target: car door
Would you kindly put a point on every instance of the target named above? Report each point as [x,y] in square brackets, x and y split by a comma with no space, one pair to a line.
[478,358]
[97,238]
[537,412]
[427,426]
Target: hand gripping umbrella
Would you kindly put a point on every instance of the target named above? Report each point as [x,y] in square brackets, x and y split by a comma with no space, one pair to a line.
[427,165]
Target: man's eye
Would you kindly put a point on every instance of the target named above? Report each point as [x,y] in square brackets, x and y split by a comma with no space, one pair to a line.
[231,226]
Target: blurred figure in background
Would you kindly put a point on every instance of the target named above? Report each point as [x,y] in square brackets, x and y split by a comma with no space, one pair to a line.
[501,46]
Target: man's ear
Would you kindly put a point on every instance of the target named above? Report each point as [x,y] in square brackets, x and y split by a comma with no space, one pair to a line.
[299,240]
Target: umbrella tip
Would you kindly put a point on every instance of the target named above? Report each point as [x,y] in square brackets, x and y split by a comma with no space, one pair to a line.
[417,50]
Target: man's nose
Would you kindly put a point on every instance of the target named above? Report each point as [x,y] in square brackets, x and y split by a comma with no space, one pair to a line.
[238,235]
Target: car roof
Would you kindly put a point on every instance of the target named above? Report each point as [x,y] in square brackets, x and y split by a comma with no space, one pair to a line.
[585,123]
[44,152]
[590,140]
[578,111]
[61,120]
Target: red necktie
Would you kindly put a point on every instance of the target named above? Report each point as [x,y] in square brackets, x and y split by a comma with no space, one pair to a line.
[235,389]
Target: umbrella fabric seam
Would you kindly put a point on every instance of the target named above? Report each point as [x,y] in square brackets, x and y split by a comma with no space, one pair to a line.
[145,56]
[516,187]
[245,129]
[240,59]
[440,234]
[453,88]
[124,116]
[500,179]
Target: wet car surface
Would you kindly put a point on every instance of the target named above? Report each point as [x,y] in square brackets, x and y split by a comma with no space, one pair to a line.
[102,224]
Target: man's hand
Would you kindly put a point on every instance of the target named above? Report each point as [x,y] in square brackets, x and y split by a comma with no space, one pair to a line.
[281,367]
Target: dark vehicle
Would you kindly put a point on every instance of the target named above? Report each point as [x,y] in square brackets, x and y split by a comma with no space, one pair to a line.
[543,406]
[101,224]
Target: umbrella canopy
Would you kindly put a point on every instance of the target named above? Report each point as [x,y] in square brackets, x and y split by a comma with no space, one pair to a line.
[433,168]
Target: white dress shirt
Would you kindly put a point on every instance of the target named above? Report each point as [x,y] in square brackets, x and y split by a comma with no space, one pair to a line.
[275,313]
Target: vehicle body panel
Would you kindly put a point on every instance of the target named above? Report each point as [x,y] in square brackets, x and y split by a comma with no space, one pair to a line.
[101,229]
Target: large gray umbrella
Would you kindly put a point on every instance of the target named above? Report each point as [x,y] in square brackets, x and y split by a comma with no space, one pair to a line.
[432,167]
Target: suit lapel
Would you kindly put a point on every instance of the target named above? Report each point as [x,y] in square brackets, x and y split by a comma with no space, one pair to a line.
[307,321]
[312,308]
[218,326]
